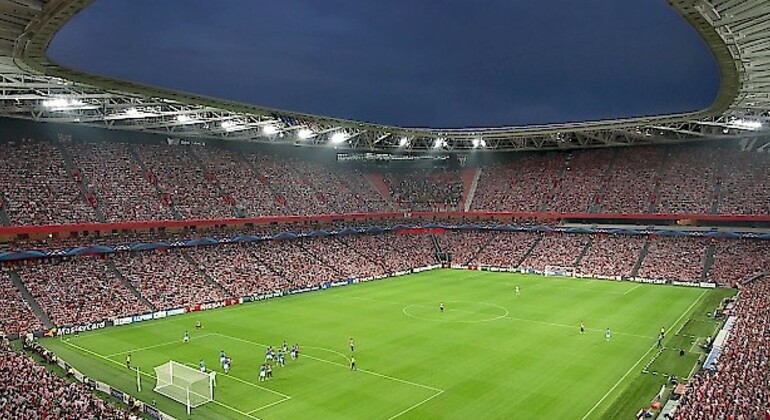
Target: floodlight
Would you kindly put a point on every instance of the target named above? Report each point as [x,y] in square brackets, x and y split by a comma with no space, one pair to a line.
[439,143]
[182,118]
[403,141]
[338,137]
[269,130]
[61,103]
[305,133]
[747,124]
[228,125]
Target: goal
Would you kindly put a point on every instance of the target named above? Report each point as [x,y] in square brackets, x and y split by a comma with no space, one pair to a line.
[184,384]
[556,270]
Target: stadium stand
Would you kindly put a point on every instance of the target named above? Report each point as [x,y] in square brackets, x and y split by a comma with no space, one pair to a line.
[506,249]
[689,180]
[79,290]
[561,249]
[30,391]
[463,245]
[16,317]
[631,187]
[167,279]
[523,185]
[735,259]
[124,192]
[426,189]
[584,172]
[745,189]
[737,389]
[178,174]
[238,270]
[38,188]
[674,258]
[611,256]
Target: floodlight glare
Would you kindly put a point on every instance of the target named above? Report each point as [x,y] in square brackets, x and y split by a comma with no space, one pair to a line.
[270,129]
[747,124]
[403,141]
[182,118]
[305,133]
[338,137]
[61,103]
[439,143]
[476,143]
[229,125]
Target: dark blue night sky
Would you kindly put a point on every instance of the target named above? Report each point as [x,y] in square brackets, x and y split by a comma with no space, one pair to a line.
[438,63]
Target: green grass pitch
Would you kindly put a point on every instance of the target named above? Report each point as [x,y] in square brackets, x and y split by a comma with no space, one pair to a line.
[491,354]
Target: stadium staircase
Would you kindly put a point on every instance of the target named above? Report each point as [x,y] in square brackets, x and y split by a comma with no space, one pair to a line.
[584,251]
[160,192]
[596,202]
[205,275]
[378,182]
[128,285]
[437,251]
[212,181]
[708,262]
[41,315]
[640,260]
[6,221]
[468,198]
[529,251]
[478,251]
[467,175]
[82,182]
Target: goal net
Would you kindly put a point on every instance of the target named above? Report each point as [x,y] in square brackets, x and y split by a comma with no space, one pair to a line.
[556,270]
[184,384]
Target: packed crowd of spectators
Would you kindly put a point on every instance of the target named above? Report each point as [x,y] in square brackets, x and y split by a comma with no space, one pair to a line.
[238,179]
[689,180]
[38,188]
[342,258]
[584,173]
[611,256]
[738,387]
[463,245]
[426,189]
[238,270]
[735,259]
[167,279]
[123,190]
[177,172]
[505,249]
[522,185]
[16,317]
[631,185]
[79,290]
[30,391]
[674,258]
[141,182]
[557,249]
[745,188]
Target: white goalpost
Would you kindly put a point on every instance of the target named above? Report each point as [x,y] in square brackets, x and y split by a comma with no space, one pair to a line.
[556,270]
[184,384]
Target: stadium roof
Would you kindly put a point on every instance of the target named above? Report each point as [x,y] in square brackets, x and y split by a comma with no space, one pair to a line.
[34,88]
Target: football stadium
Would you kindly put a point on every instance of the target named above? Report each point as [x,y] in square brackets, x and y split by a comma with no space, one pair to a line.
[169,254]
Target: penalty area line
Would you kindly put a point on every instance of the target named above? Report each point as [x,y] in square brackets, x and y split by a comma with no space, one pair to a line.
[168,343]
[101,356]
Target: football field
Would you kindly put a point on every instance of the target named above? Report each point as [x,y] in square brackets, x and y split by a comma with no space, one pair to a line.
[490,355]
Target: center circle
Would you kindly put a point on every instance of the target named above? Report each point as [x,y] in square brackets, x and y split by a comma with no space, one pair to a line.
[456,311]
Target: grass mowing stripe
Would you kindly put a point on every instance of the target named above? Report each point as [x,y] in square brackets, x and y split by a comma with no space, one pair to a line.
[628,372]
